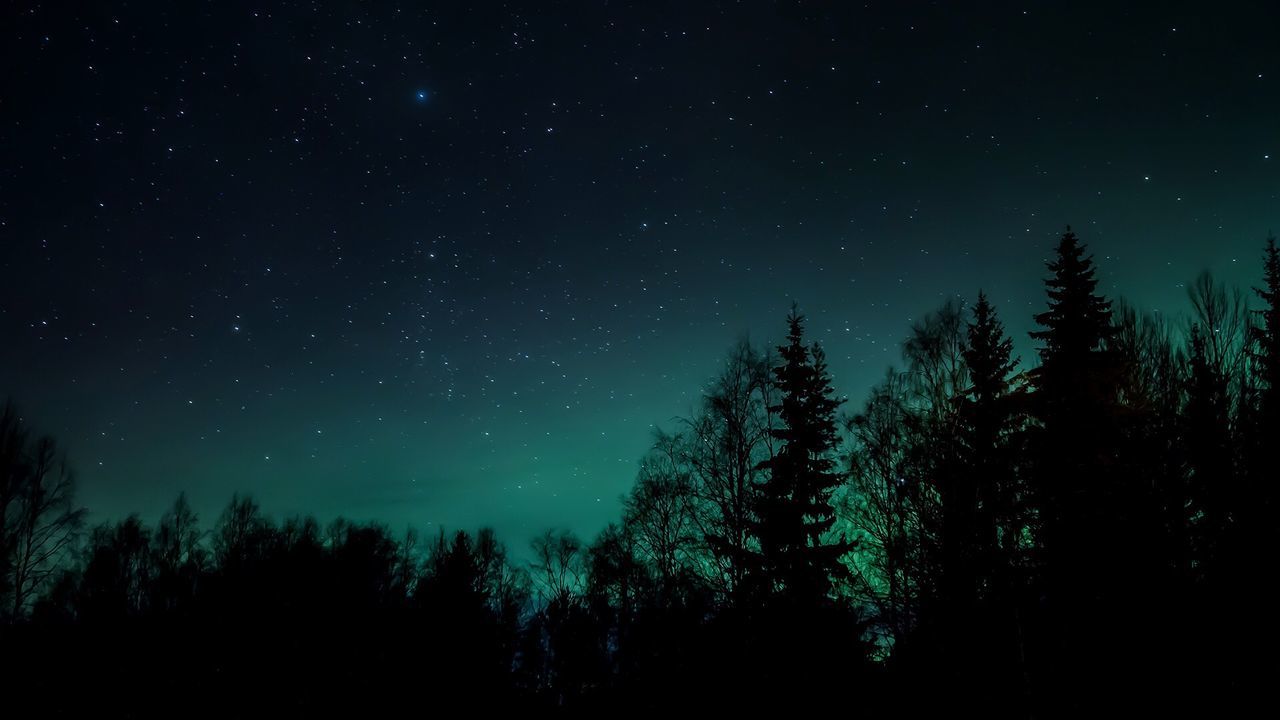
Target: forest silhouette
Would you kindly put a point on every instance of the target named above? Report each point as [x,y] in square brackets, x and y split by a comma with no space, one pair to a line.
[1091,532]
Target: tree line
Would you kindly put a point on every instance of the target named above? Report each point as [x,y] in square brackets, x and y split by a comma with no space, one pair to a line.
[1093,531]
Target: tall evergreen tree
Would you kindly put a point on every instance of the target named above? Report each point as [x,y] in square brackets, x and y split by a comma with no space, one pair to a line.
[794,503]
[988,413]
[987,628]
[989,357]
[1252,540]
[1076,388]
[1078,321]
[1267,340]
[1096,517]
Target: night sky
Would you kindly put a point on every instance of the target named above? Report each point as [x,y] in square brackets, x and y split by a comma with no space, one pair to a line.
[449,266]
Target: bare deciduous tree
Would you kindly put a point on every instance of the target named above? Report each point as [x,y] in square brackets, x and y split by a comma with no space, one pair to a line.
[659,514]
[42,521]
[1223,316]
[725,447]
[558,569]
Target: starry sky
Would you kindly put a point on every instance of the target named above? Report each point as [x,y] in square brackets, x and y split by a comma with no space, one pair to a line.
[449,265]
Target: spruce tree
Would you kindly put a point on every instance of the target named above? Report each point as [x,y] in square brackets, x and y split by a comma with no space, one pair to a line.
[1252,540]
[989,358]
[1078,321]
[988,412]
[794,504]
[1092,528]
[1075,394]
[1267,339]
[985,631]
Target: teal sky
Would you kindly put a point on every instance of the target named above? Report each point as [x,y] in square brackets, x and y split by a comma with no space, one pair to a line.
[281,271]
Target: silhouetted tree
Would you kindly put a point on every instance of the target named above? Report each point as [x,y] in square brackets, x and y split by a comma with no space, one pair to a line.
[240,537]
[118,572]
[180,557]
[621,598]
[944,493]
[659,516]
[13,444]
[1267,338]
[573,639]
[794,509]
[1095,530]
[993,413]
[1207,422]
[880,509]
[726,448]
[1103,560]
[618,579]
[1150,489]
[41,518]
[1263,424]
[1224,320]
[1217,399]
[1076,394]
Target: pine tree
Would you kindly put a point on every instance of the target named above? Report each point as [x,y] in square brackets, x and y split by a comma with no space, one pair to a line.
[1267,340]
[988,412]
[1078,380]
[986,632]
[1092,523]
[794,503]
[988,355]
[1075,397]
[1078,321]
[1252,540]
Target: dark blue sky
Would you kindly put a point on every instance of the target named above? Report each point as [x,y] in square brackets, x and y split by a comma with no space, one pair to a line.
[453,265]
